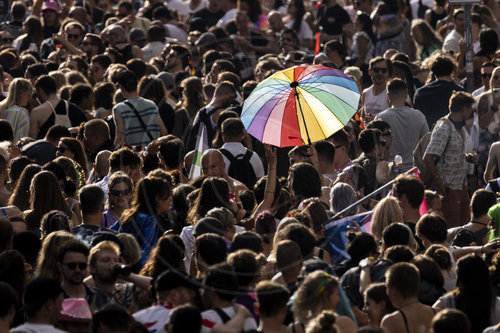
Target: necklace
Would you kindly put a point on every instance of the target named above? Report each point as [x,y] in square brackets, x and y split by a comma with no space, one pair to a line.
[481,223]
[411,303]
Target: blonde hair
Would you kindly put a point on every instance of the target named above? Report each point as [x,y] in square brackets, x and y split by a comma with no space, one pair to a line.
[387,211]
[311,295]
[131,253]
[47,258]
[16,87]
[102,246]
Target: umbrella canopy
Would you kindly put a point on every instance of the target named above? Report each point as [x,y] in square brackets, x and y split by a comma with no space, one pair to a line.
[300,105]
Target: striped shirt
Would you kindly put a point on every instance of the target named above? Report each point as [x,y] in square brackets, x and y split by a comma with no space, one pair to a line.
[19,120]
[134,133]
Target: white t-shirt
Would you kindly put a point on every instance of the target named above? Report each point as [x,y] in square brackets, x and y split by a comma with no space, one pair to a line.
[181,6]
[451,42]
[210,318]
[237,148]
[176,32]
[36,328]
[155,317]
[229,15]
[374,104]
[305,31]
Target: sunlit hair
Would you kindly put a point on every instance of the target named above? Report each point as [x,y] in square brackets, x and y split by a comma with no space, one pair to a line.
[48,256]
[385,212]
[16,88]
[312,295]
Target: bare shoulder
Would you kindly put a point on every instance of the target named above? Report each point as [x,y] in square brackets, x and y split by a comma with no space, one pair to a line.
[346,324]
[392,323]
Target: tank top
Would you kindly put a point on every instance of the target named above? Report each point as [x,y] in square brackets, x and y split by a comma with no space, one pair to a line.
[61,119]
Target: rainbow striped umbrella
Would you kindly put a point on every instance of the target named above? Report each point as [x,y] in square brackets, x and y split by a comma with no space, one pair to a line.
[300,105]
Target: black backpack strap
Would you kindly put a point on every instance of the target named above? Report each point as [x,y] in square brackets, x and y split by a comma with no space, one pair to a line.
[494,185]
[138,116]
[225,318]
[248,156]
[228,155]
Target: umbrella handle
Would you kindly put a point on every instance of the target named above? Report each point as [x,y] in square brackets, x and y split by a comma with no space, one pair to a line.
[294,85]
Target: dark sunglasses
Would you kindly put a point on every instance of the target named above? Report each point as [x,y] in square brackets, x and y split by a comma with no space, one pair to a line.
[62,149]
[117,193]
[388,133]
[485,75]
[74,36]
[87,43]
[379,70]
[72,265]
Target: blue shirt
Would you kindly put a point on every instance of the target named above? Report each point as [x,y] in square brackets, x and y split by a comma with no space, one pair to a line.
[145,230]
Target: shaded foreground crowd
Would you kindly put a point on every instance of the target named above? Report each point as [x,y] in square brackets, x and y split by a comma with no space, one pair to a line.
[112,222]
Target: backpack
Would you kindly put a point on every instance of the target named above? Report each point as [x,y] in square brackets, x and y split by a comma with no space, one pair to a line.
[419,152]
[240,167]
[464,237]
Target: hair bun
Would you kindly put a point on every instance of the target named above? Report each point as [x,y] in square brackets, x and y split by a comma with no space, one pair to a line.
[326,319]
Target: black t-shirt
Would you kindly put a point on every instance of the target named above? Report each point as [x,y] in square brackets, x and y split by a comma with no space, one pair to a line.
[76,117]
[332,19]
[210,18]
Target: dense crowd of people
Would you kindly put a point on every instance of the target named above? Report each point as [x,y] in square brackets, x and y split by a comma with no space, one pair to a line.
[118,217]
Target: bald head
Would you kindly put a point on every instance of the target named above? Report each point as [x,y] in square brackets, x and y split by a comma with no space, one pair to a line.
[212,163]
[275,21]
[101,165]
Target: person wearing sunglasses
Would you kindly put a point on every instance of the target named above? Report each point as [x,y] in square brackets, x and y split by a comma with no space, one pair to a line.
[486,70]
[72,261]
[119,196]
[375,96]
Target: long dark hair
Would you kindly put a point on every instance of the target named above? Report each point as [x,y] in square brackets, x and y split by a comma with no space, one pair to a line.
[367,26]
[301,11]
[34,33]
[473,294]
[146,192]
[214,192]
[20,197]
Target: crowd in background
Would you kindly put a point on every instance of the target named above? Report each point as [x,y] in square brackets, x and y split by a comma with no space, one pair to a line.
[106,227]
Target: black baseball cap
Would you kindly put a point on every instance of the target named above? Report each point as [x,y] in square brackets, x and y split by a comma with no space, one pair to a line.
[171,279]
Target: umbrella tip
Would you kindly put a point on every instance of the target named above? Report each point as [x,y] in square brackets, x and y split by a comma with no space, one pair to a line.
[294,84]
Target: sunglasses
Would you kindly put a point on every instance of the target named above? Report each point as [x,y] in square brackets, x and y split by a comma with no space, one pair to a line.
[117,193]
[87,43]
[388,133]
[7,40]
[73,36]
[62,149]
[72,265]
[379,70]
[485,75]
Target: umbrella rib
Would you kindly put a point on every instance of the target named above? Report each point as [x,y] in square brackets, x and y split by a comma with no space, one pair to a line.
[336,96]
[277,96]
[315,119]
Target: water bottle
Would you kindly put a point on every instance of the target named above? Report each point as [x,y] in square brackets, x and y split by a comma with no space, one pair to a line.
[398,160]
